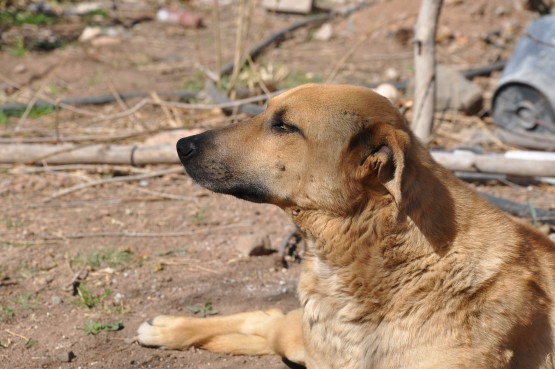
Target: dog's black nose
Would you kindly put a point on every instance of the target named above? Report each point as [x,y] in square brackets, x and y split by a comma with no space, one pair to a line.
[186,148]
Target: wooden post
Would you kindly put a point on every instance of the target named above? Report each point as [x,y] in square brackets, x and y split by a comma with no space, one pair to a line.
[425,68]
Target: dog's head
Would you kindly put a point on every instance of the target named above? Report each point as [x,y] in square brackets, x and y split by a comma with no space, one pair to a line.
[323,147]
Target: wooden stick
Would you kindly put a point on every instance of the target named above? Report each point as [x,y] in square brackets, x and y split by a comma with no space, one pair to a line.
[470,162]
[146,235]
[424,67]
[51,101]
[17,335]
[333,73]
[137,177]
[89,154]
[144,102]
[102,168]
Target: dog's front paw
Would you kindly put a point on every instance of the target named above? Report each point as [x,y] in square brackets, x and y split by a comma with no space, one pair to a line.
[169,332]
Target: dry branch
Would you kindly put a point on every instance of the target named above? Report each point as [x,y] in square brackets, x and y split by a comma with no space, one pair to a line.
[146,235]
[425,68]
[469,162]
[165,154]
[137,177]
[93,154]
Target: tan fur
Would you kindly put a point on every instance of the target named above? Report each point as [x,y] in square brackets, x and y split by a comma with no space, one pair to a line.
[406,266]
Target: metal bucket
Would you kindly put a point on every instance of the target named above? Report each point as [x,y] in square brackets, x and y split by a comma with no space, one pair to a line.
[524,99]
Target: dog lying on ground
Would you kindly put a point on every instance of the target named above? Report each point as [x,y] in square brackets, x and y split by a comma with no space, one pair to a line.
[405,267]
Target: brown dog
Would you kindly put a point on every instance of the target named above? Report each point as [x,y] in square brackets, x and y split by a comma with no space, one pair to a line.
[406,267]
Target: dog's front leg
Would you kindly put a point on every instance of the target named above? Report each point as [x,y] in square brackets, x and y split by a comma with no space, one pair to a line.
[251,333]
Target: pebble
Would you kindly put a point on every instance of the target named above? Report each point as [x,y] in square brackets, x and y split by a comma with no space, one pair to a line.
[89,33]
[392,74]
[20,68]
[66,357]
[105,41]
[324,33]
[254,245]
[389,91]
[56,300]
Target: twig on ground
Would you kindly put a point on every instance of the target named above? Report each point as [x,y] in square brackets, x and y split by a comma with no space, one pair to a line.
[146,235]
[62,105]
[77,278]
[144,102]
[102,168]
[38,93]
[333,73]
[165,195]
[26,339]
[97,138]
[137,177]
[191,263]
[217,36]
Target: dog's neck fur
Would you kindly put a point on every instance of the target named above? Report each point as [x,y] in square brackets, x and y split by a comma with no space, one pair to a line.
[385,242]
[379,264]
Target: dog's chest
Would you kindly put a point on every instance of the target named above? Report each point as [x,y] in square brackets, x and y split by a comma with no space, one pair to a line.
[334,335]
[344,329]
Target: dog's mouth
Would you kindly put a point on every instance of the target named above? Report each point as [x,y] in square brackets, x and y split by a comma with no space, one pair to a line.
[217,176]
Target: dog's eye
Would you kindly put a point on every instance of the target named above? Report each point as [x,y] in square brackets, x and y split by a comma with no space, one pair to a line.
[281,127]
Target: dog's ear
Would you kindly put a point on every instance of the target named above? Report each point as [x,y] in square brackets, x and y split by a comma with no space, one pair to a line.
[383,159]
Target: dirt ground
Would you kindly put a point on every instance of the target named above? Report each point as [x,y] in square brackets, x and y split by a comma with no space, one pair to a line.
[164,245]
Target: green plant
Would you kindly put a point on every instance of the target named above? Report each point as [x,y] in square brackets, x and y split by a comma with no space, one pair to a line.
[27,271]
[30,343]
[94,15]
[10,19]
[105,258]
[207,309]
[26,300]
[174,252]
[89,299]
[12,223]
[5,344]
[17,49]
[533,214]
[200,216]
[195,84]
[110,258]
[94,328]
[96,79]
[36,112]
[3,118]
[295,79]
[6,312]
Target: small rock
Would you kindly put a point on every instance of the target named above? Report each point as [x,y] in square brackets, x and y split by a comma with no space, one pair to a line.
[254,245]
[89,33]
[552,237]
[66,357]
[56,300]
[105,41]
[289,6]
[392,74]
[20,68]
[118,298]
[500,11]
[144,183]
[389,91]
[324,33]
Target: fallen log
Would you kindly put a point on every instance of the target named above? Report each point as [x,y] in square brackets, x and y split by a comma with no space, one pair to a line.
[90,154]
[497,164]
[166,154]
